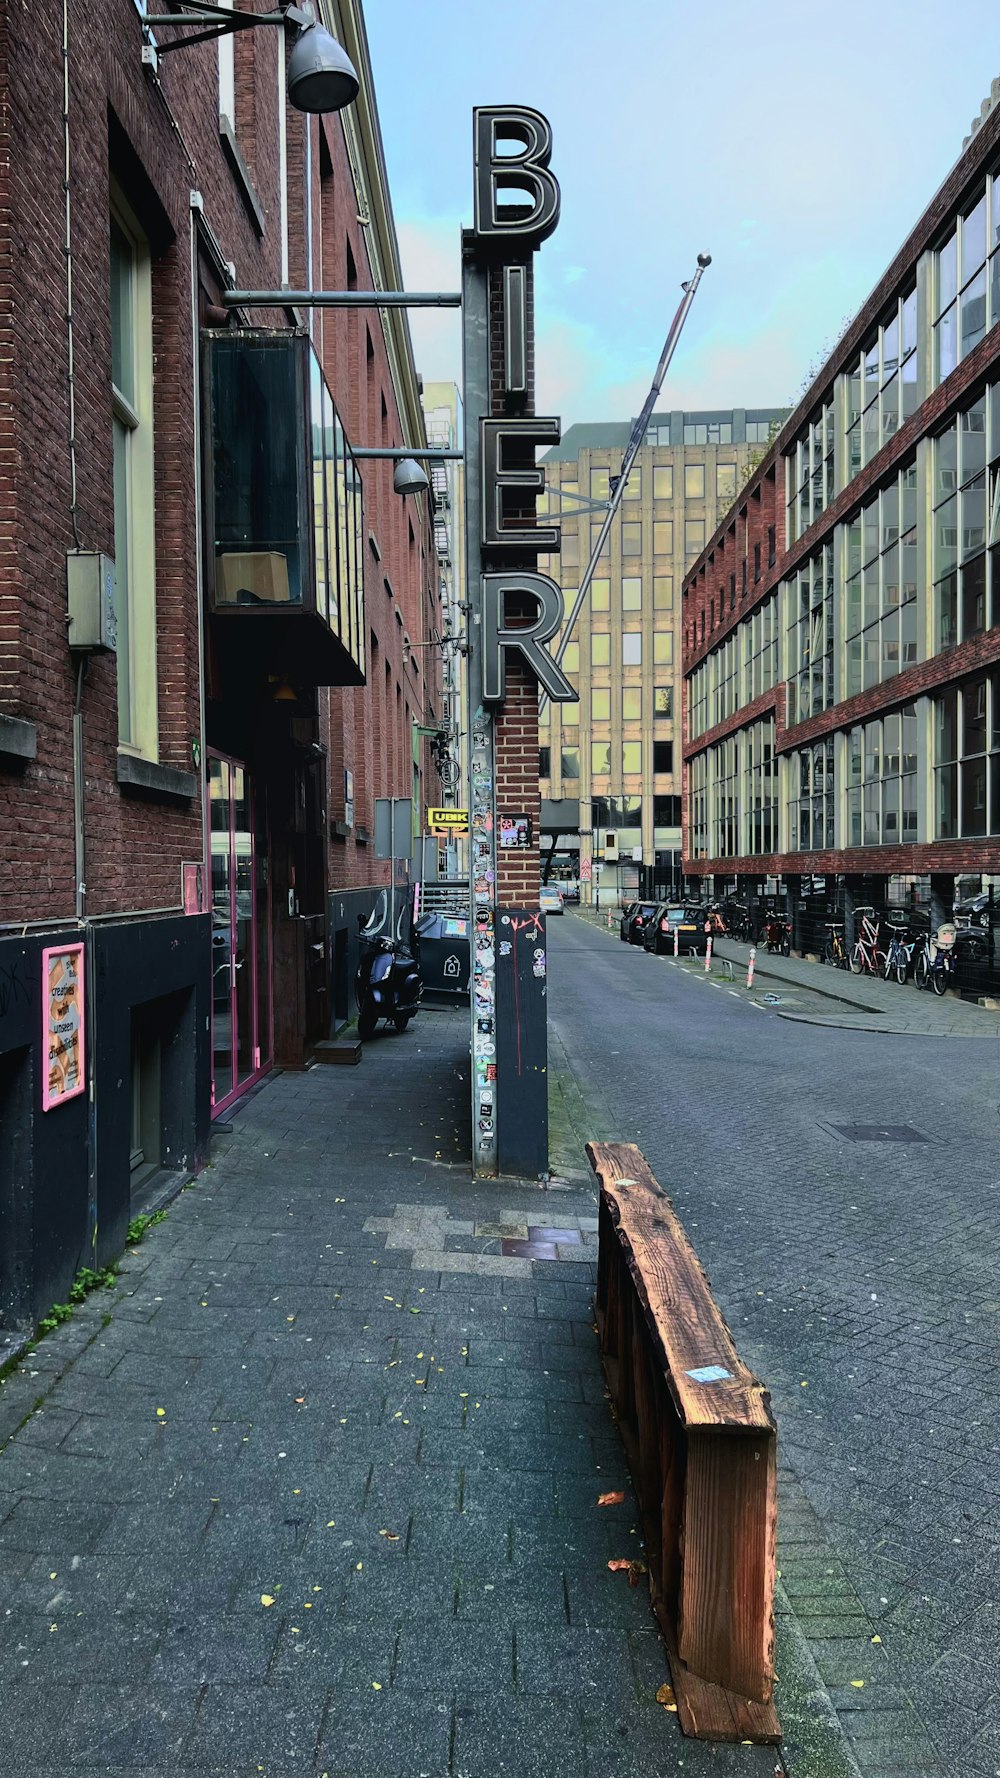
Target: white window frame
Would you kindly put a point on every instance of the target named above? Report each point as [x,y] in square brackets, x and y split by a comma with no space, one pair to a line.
[137,674]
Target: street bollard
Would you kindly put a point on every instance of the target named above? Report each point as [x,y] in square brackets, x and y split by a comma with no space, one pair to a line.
[677,943]
[609,919]
[708,954]
[753,959]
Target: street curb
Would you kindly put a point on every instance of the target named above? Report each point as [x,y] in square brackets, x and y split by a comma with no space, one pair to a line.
[815,1743]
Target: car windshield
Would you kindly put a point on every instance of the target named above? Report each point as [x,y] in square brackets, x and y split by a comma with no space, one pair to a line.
[645,907]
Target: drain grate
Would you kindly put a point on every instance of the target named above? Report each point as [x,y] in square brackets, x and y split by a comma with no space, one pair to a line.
[879,1132]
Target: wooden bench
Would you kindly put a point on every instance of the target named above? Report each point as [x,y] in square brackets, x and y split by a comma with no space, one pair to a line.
[701,1446]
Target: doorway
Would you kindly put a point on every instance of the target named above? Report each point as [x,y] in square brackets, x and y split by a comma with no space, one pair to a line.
[241,926]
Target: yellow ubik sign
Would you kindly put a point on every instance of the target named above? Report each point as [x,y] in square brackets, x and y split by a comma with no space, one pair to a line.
[447,820]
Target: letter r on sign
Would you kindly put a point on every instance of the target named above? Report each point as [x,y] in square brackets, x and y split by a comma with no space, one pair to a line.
[527,640]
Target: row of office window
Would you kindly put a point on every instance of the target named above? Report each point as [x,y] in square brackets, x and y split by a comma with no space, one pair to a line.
[904,592]
[630,538]
[741,669]
[602,753]
[860,787]
[663,482]
[660,651]
[885,384]
[624,812]
[633,705]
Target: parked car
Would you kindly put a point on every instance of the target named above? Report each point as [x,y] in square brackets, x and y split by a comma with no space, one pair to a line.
[549,899]
[571,891]
[688,923]
[974,911]
[635,918]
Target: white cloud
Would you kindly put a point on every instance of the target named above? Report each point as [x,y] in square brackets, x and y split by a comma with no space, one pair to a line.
[431,255]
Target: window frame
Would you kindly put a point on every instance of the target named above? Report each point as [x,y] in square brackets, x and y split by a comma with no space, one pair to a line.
[135,511]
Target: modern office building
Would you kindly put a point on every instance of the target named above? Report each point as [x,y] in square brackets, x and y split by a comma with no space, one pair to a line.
[841,629]
[611,763]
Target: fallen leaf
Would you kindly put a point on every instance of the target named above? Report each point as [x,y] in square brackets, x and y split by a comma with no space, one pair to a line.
[160,1412]
[359,1566]
[390,1536]
[665,1696]
[613,1499]
[330,1524]
[300,1399]
[340,1200]
[876,1638]
[375,1686]
[857,1684]
[267,1598]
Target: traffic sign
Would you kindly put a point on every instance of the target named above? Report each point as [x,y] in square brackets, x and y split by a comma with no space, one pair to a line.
[585,870]
[447,820]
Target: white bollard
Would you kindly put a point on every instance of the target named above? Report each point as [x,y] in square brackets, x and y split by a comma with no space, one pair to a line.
[677,943]
[708,948]
[753,959]
[609,919]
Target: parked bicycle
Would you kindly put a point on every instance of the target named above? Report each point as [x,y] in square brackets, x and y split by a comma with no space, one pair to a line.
[866,957]
[899,955]
[778,935]
[835,950]
[935,965]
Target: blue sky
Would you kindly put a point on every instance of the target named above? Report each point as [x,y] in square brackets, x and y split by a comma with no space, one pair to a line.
[796,144]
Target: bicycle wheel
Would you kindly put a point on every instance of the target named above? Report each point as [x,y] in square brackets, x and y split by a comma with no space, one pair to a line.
[786,947]
[939,981]
[880,963]
[889,964]
[920,972]
[858,960]
[829,955]
[901,969]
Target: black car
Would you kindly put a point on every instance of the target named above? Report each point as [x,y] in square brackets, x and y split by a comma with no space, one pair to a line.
[688,923]
[636,915]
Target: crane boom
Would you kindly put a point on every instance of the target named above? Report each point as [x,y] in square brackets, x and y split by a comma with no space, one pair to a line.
[638,433]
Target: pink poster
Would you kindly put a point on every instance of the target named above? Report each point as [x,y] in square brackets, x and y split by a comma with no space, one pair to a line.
[62,1024]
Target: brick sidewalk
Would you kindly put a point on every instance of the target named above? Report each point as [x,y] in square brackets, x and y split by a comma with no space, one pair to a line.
[314,1488]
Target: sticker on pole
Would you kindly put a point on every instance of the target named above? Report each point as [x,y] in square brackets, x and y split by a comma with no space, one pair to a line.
[709,1373]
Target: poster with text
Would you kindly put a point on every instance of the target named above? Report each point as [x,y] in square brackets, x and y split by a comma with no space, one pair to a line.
[62,1024]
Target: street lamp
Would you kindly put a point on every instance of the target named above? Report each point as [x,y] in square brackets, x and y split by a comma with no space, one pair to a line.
[321,76]
[409,478]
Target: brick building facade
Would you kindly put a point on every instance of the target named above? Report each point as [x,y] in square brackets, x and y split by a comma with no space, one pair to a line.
[841,630]
[194,805]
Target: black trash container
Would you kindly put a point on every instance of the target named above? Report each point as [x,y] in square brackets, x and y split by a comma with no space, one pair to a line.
[442,949]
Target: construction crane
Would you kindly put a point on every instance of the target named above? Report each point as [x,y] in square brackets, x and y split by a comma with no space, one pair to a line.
[619,482]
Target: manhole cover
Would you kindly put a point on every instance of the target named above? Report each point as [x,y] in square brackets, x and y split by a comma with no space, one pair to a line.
[879,1132]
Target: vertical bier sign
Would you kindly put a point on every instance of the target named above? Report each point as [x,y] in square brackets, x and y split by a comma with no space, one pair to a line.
[514,610]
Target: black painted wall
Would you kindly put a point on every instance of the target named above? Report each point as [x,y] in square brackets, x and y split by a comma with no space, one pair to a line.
[522,1042]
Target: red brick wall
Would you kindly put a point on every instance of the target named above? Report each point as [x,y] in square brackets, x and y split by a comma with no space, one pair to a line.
[135,845]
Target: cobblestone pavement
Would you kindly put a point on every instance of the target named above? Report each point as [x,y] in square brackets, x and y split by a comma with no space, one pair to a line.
[313,1489]
[842,1189]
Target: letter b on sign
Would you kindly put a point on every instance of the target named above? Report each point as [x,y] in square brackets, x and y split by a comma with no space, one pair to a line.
[531,219]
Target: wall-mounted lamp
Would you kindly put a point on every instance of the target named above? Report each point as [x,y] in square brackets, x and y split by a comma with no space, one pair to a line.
[409,478]
[321,76]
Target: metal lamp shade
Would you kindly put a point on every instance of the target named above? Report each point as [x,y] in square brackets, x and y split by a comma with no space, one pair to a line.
[408,477]
[321,75]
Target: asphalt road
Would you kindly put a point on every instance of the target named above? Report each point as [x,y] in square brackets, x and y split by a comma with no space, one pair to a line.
[861,1278]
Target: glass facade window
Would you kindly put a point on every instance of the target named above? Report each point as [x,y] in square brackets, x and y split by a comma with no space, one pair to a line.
[663,592]
[544,761]
[666,811]
[694,481]
[570,762]
[880,613]
[632,649]
[633,487]
[967,759]
[698,701]
[600,649]
[758,640]
[600,484]
[631,757]
[724,680]
[663,537]
[663,648]
[811,477]
[760,789]
[631,703]
[811,804]
[724,799]
[571,658]
[600,703]
[809,638]
[663,703]
[616,812]
[694,538]
[759,431]
[725,481]
[663,481]
[663,756]
[698,806]
[882,384]
[631,538]
[631,592]
[600,595]
[882,780]
[600,759]
[967,279]
[967,523]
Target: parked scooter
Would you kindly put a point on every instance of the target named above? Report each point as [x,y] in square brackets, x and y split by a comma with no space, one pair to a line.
[935,964]
[387,984]
[778,934]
